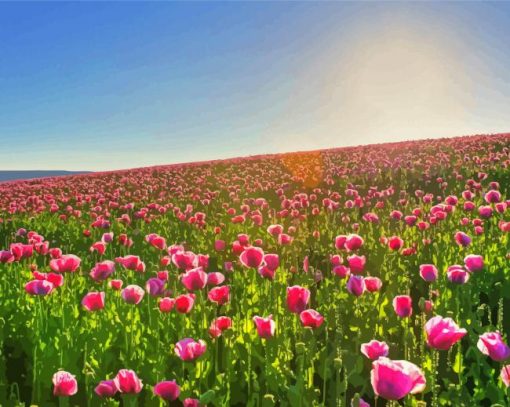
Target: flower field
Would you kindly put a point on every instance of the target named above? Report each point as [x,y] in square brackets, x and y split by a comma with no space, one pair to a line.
[363,276]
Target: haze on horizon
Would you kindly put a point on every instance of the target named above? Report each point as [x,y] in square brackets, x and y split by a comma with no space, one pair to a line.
[101,86]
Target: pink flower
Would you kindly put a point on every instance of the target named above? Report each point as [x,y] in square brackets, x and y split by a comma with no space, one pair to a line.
[356,285]
[275,230]
[189,402]
[492,345]
[56,279]
[219,325]
[428,272]
[373,284]
[395,379]
[188,349]
[311,319]
[443,333]
[98,247]
[116,284]
[101,271]
[265,326]
[356,263]
[341,271]
[457,275]
[297,298]
[505,375]
[93,301]
[353,242]
[219,295]
[6,256]
[462,239]
[132,263]
[155,286]
[375,349]
[194,279]
[284,239]
[21,251]
[215,278]
[39,287]
[166,304]
[266,272]
[128,382]
[403,306]
[133,294]
[492,196]
[252,257]
[272,261]
[474,263]
[184,260]
[395,243]
[156,241]
[360,403]
[106,388]
[219,245]
[167,390]
[184,303]
[64,384]
[66,263]
[340,242]
[107,237]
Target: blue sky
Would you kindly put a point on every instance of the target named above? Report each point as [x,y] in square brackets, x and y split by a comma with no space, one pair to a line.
[98,86]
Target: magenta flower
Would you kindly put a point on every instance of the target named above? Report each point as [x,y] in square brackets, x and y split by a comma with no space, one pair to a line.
[353,242]
[428,272]
[166,304]
[188,349]
[443,333]
[64,384]
[155,286]
[395,243]
[395,379]
[128,382]
[356,263]
[462,239]
[194,279]
[39,287]
[505,375]
[373,284]
[93,301]
[265,326]
[403,306]
[167,390]
[106,388]
[103,270]
[66,263]
[375,349]
[219,295]
[457,275]
[252,257]
[341,271]
[184,303]
[219,325]
[131,263]
[215,278]
[492,345]
[133,294]
[356,285]
[474,263]
[297,298]
[311,319]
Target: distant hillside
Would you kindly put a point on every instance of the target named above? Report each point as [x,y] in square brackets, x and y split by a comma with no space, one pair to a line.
[14,175]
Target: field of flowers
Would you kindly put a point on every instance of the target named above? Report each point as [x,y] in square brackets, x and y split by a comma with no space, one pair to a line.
[366,276]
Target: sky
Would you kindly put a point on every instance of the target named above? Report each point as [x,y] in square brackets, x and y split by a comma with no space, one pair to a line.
[101,86]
